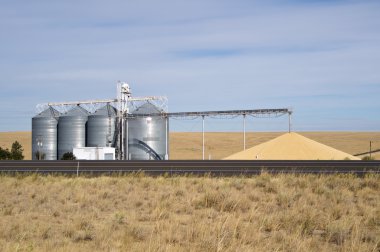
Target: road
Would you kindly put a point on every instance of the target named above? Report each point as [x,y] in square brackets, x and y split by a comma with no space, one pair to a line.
[177,167]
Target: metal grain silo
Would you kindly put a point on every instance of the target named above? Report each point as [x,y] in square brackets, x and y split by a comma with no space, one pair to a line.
[101,127]
[44,135]
[148,135]
[72,130]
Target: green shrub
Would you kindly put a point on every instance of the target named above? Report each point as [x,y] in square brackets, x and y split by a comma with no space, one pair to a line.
[14,154]
[16,151]
[68,156]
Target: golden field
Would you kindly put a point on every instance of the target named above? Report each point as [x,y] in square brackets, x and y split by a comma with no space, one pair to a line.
[219,144]
[139,213]
[23,137]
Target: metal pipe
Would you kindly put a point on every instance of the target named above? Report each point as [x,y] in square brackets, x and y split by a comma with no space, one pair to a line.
[127,140]
[244,129]
[257,112]
[147,98]
[203,137]
[81,102]
[166,139]
[121,137]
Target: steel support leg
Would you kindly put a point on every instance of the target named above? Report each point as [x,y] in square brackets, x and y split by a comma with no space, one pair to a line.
[203,137]
[166,139]
[127,140]
[244,131]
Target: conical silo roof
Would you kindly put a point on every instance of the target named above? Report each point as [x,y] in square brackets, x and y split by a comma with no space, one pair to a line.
[107,110]
[49,112]
[77,111]
[147,108]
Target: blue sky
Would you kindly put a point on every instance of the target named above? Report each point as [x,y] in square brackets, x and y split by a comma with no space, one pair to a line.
[321,58]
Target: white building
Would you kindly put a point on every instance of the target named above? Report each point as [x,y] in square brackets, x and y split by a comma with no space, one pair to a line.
[94,153]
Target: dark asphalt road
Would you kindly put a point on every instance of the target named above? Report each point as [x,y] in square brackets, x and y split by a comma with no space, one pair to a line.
[217,168]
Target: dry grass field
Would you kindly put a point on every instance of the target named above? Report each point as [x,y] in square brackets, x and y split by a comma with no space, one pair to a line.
[219,145]
[139,213]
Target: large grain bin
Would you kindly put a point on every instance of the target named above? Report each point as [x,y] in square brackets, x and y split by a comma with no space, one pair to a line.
[72,130]
[101,127]
[44,135]
[148,135]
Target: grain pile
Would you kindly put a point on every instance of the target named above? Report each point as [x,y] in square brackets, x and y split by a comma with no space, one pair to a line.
[291,146]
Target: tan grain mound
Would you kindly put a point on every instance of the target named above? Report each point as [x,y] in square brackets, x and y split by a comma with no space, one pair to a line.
[291,146]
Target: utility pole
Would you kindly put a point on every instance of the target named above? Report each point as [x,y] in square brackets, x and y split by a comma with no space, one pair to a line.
[166,139]
[203,137]
[370,149]
[244,131]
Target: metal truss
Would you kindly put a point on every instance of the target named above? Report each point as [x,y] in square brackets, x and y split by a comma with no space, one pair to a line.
[125,105]
[224,114]
[161,102]
[63,107]
[91,106]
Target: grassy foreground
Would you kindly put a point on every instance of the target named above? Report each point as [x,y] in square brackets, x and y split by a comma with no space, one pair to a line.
[139,213]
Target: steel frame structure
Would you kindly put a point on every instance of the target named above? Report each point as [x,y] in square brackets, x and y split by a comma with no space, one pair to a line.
[124,101]
[222,113]
[260,113]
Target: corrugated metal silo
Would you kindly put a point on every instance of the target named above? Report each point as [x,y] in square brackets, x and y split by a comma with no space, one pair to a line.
[101,128]
[72,130]
[147,136]
[44,135]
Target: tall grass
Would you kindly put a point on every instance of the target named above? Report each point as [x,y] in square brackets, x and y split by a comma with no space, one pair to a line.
[140,213]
